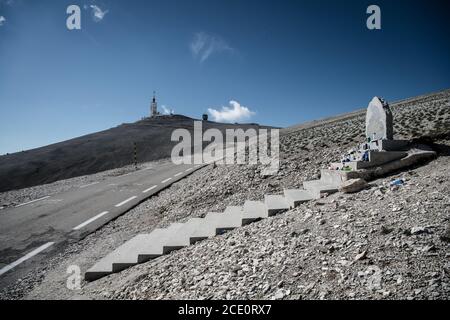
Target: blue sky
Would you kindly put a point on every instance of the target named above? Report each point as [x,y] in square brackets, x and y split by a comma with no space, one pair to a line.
[276,62]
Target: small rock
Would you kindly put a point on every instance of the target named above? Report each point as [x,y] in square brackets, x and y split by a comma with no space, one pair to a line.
[446,235]
[236,268]
[266,288]
[361,256]
[279,295]
[386,230]
[418,230]
[429,248]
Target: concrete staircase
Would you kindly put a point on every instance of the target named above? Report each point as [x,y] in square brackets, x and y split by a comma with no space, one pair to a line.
[159,242]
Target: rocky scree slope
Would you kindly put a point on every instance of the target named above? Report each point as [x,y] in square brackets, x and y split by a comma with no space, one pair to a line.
[380,243]
[385,242]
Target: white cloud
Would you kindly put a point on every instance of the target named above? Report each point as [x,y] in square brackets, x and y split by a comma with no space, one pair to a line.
[97,13]
[2,20]
[234,113]
[203,45]
[167,110]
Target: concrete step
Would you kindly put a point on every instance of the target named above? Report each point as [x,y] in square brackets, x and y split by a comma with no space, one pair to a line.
[230,219]
[236,211]
[333,177]
[354,165]
[233,210]
[155,248]
[253,211]
[295,197]
[182,238]
[217,223]
[275,204]
[376,158]
[124,256]
[316,187]
[206,228]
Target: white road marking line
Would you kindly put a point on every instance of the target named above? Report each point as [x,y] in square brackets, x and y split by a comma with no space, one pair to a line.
[90,220]
[123,202]
[129,173]
[149,189]
[55,200]
[168,179]
[88,185]
[178,174]
[23,204]
[25,257]
[187,170]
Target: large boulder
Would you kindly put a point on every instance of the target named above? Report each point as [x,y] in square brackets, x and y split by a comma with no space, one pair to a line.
[353,185]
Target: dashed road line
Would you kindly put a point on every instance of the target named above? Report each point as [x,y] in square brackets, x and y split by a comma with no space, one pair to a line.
[24,204]
[123,202]
[90,220]
[149,189]
[178,174]
[90,184]
[25,258]
[168,179]
[189,169]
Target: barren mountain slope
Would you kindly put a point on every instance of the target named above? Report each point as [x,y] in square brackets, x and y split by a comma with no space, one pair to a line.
[96,152]
[379,243]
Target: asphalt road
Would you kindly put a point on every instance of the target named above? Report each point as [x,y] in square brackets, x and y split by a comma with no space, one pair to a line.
[30,231]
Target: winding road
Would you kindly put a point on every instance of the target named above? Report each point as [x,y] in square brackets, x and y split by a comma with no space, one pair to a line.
[31,231]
